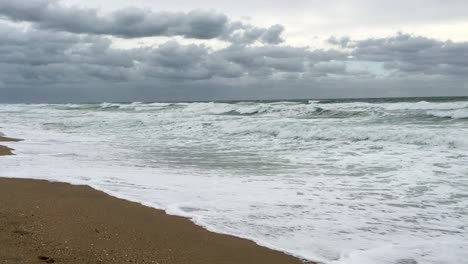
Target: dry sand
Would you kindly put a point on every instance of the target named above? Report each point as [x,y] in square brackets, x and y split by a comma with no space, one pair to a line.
[44,222]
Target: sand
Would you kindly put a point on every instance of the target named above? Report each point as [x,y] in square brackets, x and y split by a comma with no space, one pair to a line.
[4,150]
[8,139]
[44,222]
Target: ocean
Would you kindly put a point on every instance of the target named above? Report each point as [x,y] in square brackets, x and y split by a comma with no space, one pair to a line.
[351,181]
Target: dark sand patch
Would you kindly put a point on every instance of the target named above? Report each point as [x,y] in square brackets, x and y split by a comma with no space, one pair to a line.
[4,150]
[43,222]
[8,139]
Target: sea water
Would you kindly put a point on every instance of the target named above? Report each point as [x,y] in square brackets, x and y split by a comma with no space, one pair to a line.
[337,181]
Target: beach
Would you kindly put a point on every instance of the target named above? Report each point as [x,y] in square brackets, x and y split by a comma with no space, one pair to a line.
[332,181]
[49,222]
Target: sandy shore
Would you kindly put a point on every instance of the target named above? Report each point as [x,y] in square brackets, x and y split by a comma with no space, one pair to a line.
[44,222]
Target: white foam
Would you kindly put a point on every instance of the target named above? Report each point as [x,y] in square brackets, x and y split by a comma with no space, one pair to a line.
[455,114]
[423,105]
[433,252]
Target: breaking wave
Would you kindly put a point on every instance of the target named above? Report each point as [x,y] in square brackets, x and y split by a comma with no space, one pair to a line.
[313,109]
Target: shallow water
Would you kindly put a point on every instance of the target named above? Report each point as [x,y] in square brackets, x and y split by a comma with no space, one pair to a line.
[338,181]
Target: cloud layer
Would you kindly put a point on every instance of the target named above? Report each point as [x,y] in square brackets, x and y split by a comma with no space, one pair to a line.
[67,54]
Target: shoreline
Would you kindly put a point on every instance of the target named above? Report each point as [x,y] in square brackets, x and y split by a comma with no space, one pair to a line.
[51,222]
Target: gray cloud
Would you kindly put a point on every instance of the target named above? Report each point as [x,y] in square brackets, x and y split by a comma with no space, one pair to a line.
[136,22]
[410,54]
[246,34]
[342,42]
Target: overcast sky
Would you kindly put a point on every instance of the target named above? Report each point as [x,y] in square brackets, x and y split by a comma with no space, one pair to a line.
[147,50]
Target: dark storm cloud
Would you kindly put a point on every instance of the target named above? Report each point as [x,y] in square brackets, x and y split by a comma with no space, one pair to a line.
[33,56]
[36,48]
[136,22]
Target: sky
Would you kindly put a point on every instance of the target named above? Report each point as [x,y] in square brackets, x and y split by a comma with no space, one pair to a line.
[147,50]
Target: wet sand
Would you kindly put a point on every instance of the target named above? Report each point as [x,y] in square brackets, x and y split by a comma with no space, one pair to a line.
[44,222]
[8,139]
[4,150]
